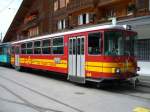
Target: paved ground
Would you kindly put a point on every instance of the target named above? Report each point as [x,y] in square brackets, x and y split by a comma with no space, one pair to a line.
[41,92]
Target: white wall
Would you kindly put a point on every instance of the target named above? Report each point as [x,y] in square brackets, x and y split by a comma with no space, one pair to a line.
[144,68]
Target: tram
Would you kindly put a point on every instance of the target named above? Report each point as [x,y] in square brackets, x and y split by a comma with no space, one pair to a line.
[95,53]
[4,54]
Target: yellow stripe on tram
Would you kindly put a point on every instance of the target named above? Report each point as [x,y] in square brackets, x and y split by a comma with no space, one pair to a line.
[107,67]
[44,62]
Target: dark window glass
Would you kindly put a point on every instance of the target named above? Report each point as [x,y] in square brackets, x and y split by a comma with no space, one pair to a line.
[143,49]
[82,46]
[46,50]
[78,46]
[84,18]
[94,43]
[58,50]
[29,51]
[29,45]
[23,45]
[23,51]
[46,43]
[58,46]
[142,4]
[17,50]
[70,46]
[13,50]
[37,51]
[74,46]
[57,41]
[37,44]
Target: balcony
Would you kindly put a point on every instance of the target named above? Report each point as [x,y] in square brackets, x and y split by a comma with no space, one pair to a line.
[76,5]
[110,2]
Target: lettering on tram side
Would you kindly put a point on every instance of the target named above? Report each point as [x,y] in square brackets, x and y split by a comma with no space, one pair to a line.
[57,60]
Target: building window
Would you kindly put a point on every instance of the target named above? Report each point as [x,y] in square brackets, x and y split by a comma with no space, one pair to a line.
[143,49]
[62,3]
[83,19]
[94,43]
[141,4]
[67,2]
[111,13]
[61,24]
[33,31]
[56,5]
[58,46]
[131,8]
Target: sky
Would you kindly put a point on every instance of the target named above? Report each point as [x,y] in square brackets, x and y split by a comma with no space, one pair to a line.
[8,9]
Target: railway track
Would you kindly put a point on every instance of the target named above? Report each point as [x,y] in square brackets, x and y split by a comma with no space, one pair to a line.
[38,108]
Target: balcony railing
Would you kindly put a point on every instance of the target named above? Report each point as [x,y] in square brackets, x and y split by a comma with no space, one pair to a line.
[107,2]
[75,5]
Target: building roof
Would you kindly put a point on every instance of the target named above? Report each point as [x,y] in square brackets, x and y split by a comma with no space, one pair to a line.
[18,19]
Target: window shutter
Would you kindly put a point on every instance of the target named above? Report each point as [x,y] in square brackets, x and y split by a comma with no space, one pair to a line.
[64,24]
[80,19]
[87,18]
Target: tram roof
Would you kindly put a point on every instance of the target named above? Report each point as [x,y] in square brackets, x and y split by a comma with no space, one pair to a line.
[5,44]
[79,30]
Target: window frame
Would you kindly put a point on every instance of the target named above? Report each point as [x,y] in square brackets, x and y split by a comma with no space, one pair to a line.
[56,5]
[61,24]
[81,18]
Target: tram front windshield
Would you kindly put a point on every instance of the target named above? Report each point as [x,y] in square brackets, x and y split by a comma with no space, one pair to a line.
[115,43]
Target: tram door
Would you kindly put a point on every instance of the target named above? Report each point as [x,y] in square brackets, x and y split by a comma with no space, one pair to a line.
[76,63]
[17,61]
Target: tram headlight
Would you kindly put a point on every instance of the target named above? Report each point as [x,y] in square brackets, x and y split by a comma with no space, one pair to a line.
[117,71]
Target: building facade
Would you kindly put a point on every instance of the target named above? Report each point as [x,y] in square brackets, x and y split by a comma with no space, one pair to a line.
[40,17]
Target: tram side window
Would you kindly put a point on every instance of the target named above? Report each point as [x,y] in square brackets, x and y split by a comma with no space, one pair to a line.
[13,50]
[94,43]
[58,46]
[23,48]
[46,46]
[37,47]
[29,48]
[17,50]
